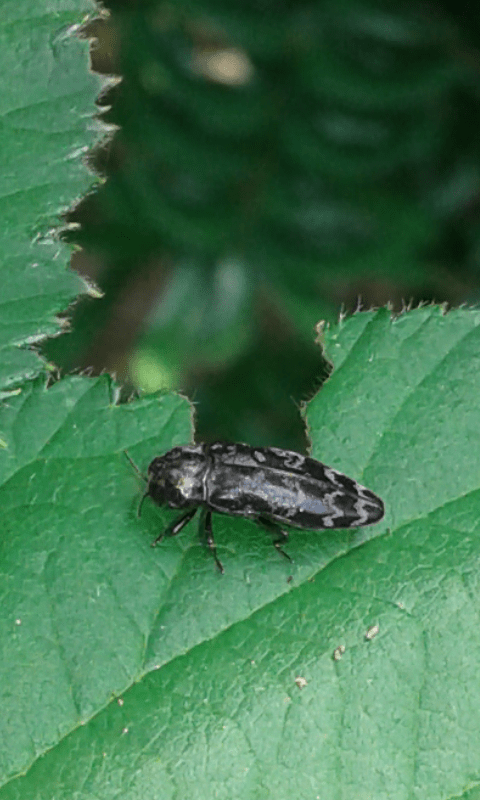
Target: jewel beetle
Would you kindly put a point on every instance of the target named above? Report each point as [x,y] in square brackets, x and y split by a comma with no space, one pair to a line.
[267,485]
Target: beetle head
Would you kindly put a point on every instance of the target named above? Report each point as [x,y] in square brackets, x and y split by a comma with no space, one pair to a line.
[176,479]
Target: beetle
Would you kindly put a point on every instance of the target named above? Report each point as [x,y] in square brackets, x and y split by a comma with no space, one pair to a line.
[267,485]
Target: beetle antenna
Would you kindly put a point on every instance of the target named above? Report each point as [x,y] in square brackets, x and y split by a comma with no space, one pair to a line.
[140,474]
[139,509]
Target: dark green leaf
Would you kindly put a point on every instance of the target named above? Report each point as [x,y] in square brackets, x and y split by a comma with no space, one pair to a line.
[46,94]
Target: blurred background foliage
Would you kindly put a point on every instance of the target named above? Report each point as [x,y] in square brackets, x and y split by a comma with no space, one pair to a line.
[271,163]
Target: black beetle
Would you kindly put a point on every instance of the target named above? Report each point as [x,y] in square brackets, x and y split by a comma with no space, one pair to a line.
[264,484]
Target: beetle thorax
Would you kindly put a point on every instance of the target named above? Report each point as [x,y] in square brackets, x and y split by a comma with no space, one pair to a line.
[177,479]
[187,482]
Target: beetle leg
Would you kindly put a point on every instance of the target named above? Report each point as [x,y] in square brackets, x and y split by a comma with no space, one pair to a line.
[176,526]
[273,528]
[206,528]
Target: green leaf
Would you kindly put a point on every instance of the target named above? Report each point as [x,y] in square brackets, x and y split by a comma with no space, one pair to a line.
[182,682]
[46,93]
[74,583]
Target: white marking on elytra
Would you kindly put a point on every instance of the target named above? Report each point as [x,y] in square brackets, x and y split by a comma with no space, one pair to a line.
[294,461]
[362,510]
[331,474]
